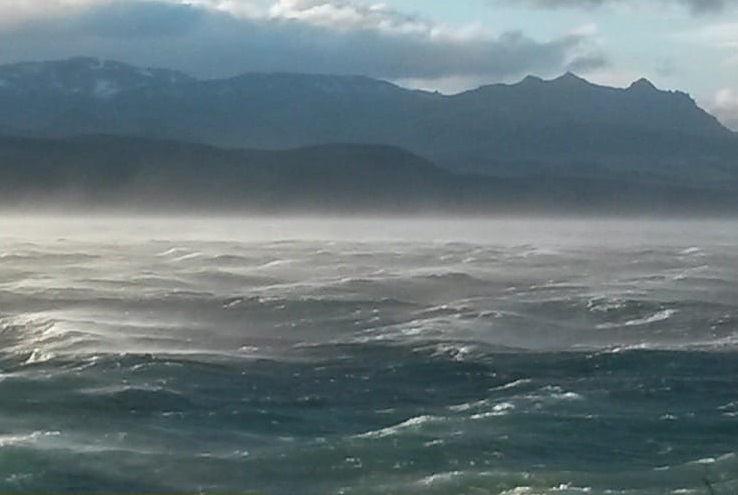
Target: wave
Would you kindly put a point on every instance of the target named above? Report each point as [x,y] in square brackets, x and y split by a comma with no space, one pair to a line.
[692,251]
[502,365]
[412,425]
[516,401]
[37,338]
[660,316]
[456,278]
[513,384]
[25,439]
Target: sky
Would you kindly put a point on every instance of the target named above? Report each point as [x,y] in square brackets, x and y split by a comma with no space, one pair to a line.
[443,45]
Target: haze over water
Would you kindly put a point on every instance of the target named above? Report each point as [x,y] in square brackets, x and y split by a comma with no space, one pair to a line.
[353,356]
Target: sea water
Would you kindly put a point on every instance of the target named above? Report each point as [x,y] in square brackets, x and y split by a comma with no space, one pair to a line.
[317,356]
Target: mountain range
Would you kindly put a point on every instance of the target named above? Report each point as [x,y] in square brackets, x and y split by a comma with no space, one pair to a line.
[141,174]
[557,132]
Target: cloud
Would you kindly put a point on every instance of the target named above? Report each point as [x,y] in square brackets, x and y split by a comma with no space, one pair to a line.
[213,38]
[18,12]
[134,19]
[725,107]
[723,35]
[350,16]
[694,6]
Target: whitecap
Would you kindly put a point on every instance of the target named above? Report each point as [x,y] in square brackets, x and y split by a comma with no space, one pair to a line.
[173,251]
[605,304]
[413,423]
[276,263]
[38,356]
[502,409]
[457,352]
[513,384]
[468,406]
[569,488]
[557,393]
[646,320]
[188,256]
[25,439]
[552,393]
[519,490]
[248,349]
[440,478]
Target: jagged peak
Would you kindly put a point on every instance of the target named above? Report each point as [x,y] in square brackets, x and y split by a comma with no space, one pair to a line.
[532,80]
[527,82]
[642,84]
[569,78]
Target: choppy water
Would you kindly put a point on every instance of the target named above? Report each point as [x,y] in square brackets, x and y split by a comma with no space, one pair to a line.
[368,357]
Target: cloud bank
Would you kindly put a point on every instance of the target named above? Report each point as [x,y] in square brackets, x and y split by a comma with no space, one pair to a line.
[694,6]
[215,38]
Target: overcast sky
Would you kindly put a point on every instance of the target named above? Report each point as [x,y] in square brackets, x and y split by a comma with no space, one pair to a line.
[448,45]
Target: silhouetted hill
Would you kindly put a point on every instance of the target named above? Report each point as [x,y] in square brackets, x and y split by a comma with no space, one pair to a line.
[129,171]
[135,173]
[566,128]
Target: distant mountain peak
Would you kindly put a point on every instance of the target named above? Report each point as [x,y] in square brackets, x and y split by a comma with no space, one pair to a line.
[567,79]
[530,81]
[642,84]
[570,79]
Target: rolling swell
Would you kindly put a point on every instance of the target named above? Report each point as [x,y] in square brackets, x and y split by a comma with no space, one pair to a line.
[203,361]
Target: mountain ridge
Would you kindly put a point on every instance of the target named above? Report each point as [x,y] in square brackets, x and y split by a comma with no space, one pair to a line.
[131,173]
[157,77]
[566,126]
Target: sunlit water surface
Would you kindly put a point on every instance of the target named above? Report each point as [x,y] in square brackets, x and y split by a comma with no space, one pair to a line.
[368,356]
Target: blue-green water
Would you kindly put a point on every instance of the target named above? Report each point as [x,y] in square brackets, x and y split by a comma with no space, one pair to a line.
[367,357]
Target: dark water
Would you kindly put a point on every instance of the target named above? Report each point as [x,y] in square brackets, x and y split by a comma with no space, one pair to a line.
[368,357]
